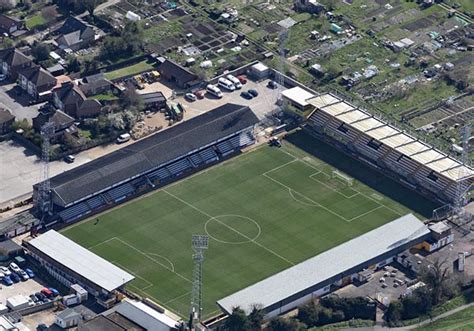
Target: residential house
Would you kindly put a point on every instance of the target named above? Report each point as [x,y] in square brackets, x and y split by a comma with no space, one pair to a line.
[70,99]
[75,34]
[309,6]
[63,123]
[10,24]
[97,84]
[177,74]
[12,60]
[6,121]
[37,82]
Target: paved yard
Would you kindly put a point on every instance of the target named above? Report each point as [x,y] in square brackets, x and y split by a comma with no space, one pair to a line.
[263,104]
[18,105]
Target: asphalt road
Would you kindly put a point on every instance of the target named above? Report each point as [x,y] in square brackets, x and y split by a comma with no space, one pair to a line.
[18,105]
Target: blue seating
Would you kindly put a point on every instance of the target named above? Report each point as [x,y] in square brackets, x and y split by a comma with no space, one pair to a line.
[160,174]
[121,191]
[208,155]
[95,202]
[196,160]
[74,211]
[179,167]
[225,147]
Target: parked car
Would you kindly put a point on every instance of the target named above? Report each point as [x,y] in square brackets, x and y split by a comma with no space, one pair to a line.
[15,278]
[190,97]
[30,273]
[46,292]
[242,79]
[34,298]
[235,81]
[69,158]
[200,94]
[14,267]
[246,95]
[7,280]
[2,77]
[54,292]
[272,84]
[5,271]
[23,275]
[40,296]
[253,92]
[123,138]
[42,327]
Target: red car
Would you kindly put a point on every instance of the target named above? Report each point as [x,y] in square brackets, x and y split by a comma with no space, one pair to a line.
[45,291]
[200,94]
[242,79]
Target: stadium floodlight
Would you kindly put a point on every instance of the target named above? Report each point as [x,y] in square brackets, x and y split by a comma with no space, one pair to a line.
[200,241]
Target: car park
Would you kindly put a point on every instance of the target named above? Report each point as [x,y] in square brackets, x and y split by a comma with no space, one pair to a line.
[34,298]
[14,267]
[40,296]
[30,273]
[7,280]
[214,90]
[200,94]
[253,92]
[226,84]
[246,95]
[15,278]
[190,97]
[5,271]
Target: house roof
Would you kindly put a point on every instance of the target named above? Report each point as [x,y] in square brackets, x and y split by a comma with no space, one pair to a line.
[59,119]
[6,22]
[325,266]
[69,93]
[5,115]
[68,313]
[178,72]
[81,260]
[13,57]
[73,24]
[41,78]
[152,152]
[69,39]
[90,88]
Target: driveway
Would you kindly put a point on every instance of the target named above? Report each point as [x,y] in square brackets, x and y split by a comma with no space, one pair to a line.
[18,105]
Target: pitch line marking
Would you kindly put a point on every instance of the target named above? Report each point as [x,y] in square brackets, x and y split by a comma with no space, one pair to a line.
[150,284]
[363,194]
[281,166]
[177,298]
[152,259]
[162,257]
[331,188]
[215,218]
[368,212]
[230,228]
[101,243]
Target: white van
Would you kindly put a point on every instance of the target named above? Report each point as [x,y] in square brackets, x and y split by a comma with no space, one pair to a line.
[227,84]
[235,81]
[214,90]
[123,138]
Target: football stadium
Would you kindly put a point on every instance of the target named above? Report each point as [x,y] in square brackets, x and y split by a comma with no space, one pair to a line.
[265,211]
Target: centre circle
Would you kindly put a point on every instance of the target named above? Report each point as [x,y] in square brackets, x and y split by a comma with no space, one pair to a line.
[232,229]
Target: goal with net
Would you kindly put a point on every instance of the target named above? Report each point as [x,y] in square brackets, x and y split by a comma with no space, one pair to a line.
[336,174]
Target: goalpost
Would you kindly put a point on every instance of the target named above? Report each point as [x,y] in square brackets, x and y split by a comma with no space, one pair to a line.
[336,174]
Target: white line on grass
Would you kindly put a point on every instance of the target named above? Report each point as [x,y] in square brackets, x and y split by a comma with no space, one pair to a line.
[162,257]
[331,188]
[150,284]
[368,212]
[229,227]
[101,243]
[280,166]
[177,298]
[152,259]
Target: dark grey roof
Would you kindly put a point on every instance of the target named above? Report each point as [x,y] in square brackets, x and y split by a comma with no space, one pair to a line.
[151,152]
[153,97]
[42,79]
[178,72]
[6,22]
[73,24]
[13,57]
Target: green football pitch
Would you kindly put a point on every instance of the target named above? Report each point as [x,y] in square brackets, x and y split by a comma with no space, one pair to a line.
[265,210]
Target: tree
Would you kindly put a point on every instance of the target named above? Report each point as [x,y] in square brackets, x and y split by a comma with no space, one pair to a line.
[237,321]
[132,101]
[73,64]
[283,324]
[49,13]
[256,318]
[394,312]
[90,5]
[41,51]
[436,277]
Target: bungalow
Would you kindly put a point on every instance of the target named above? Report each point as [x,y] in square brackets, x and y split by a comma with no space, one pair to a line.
[37,82]
[10,24]
[177,74]
[75,34]
[70,99]
[12,60]
[6,121]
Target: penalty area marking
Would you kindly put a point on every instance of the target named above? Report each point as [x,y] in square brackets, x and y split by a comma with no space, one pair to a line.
[150,284]
[248,239]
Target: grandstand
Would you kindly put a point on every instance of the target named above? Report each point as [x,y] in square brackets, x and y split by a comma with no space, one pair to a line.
[415,163]
[151,162]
